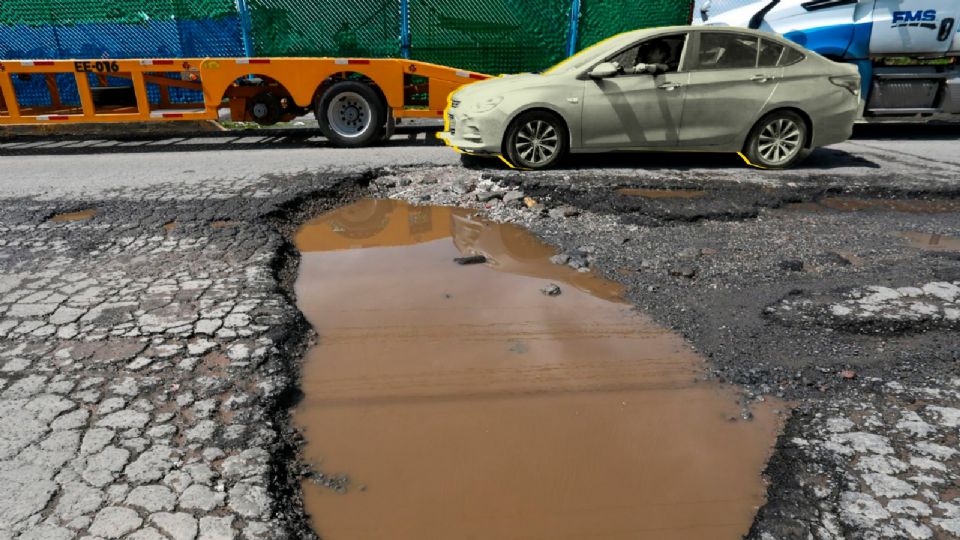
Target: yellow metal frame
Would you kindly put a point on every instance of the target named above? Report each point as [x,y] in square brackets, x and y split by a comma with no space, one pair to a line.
[301,78]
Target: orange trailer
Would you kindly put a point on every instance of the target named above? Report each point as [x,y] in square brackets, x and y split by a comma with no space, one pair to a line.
[357,101]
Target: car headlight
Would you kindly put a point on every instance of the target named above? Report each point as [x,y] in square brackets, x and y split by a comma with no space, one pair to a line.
[486,104]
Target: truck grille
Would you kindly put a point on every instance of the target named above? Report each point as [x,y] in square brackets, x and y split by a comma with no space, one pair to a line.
[903,94]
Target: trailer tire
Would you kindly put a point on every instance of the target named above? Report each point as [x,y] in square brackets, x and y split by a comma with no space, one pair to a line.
[265,109]
[351,114]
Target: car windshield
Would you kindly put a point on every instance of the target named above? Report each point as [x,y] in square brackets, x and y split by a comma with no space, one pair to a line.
[582,58]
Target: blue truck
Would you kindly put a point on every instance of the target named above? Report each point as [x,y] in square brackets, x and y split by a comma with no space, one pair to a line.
[906,50]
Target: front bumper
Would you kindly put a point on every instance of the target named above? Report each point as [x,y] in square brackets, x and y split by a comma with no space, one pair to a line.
[474,133]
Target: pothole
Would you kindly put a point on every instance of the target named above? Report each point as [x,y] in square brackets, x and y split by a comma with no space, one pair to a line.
[511,399]
[80,215]
[662,193]
[857,204]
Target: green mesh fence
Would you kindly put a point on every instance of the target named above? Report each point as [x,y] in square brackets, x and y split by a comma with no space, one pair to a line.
[326,27]
[490,36]
[71,12]
[600,20]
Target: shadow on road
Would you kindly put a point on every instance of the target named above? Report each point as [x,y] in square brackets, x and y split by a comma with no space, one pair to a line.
[913,132]
[819,159]
[260,139]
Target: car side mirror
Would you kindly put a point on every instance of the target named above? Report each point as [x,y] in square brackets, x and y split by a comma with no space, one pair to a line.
[604,70]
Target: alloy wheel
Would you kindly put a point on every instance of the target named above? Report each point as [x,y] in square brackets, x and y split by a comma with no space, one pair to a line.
[537,142]
[779,141]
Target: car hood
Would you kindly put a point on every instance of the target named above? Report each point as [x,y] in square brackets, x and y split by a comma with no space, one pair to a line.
[499,86]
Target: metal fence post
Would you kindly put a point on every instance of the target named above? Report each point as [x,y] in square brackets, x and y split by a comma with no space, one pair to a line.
[245,27]
[574,27]
[405,28]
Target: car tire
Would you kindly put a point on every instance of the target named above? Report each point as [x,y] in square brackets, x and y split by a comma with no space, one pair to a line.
[536,140]
[777,141]
[265,109]
[351,114]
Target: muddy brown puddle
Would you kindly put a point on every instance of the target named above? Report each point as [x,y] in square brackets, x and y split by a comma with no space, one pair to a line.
[464,403]
[81,215]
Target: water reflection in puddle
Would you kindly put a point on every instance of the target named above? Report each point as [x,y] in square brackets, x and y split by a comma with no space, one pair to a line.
[469,404]
[80,215]
[855,204]
[931,241]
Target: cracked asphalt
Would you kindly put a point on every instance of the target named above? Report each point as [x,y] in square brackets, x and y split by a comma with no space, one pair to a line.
[149,354]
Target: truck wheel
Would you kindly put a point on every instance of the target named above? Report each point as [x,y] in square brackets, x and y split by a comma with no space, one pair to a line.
[351,114]
[265,109]
[536,140]
[777,141]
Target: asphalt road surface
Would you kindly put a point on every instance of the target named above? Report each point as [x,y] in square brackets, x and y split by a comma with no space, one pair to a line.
[53,166]
[149,343]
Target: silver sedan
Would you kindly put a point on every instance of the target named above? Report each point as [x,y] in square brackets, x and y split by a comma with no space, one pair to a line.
[675,88]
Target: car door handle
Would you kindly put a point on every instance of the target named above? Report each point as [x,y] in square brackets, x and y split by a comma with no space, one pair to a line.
[761,78]
[669,86]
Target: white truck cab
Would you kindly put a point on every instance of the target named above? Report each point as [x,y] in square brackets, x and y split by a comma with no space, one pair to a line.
[906,50]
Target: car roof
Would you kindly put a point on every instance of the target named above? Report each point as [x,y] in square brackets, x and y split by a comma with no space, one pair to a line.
[650,32]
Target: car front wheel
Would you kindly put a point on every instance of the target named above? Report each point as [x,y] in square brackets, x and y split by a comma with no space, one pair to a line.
[777,141]
[536,140]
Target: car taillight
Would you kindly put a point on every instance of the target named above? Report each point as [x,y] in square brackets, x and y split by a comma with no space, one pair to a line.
[850,82]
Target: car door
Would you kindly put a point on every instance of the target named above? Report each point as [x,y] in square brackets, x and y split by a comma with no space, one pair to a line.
[913,26]
[731,79]
[636,110]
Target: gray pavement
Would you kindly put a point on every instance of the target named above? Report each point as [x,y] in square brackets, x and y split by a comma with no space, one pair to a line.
[71,165]
[147,354]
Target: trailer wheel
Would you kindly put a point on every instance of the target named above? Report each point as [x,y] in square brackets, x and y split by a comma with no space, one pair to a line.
[265,109]
[351,114]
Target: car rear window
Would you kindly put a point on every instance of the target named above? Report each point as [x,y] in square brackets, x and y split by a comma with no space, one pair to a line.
[727,50]
[770,53]
[790,56]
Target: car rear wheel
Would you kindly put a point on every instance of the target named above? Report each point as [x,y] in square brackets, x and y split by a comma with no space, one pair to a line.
[351,114]
[536,140]
[778,140]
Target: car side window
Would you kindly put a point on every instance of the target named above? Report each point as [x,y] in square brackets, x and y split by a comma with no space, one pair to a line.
[770,53]
[727,50]
[666,51]
[790,56]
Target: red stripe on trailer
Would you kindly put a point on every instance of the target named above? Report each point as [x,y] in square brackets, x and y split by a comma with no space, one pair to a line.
[156,62]
[36,63]
[172,115]
[477,76]
[253,60]
[53,117]
[352,61]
